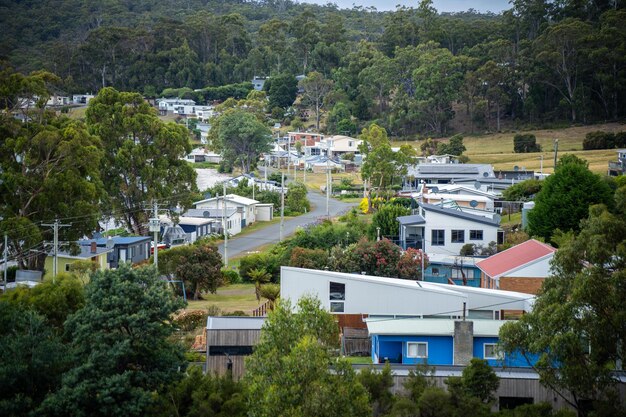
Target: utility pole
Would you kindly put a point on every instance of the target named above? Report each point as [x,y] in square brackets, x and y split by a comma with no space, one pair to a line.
[6,253]
[541,167]
[55,250]
[225,228]
[556,151]
[422,256]
[282,206]
[328,180]
[155,227]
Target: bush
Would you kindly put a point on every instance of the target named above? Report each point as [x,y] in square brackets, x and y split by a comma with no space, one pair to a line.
[213,310]
[238,313]
[525,143]
[309,258]
[268,261]
[230,276]
[599,140]
[190,320]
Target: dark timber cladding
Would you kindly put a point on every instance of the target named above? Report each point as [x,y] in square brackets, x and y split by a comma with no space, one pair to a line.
[229,341]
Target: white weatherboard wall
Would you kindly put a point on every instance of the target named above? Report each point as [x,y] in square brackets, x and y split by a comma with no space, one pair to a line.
[436,220]
[539,269]
[370,295]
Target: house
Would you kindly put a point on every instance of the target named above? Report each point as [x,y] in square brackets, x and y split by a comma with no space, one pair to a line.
[82,98]
[172,104]
[198,227]
[246,206]
[446,230]
[231,216]
[521,268]
[174,235]
[351,297]
[436,173]
[202,155]
[259,183]
[339,145]
[306,138]
[461,200]
[439,342]
[454,270]
[618,167]
[132,249]
[92,252]
[265,212]
[258,83]
[228,341]
[321,164]
[56,101]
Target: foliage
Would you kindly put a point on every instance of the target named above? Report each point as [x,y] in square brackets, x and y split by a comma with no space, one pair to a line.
[565,198]
[121,352]
[525,143]
[378,258]
[574,328]
[199,394]
[170,259]
[410,264]
[378,385]
[143,156]
[271,292]
[282,90]
[268,261]
[385,219]
[453,147]
[315,88]
[309,258]
[289,372]
[599,140]
[296,200]
[190,320]
[49,167]
[473,249]
[34,360]
[480,380]
[201,270]
[241,137]
[522,191]
[230,277]
[259,276]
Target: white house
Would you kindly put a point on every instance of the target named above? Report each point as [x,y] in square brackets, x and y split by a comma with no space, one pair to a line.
[437,173]
[339,145]
[82,98]
[446,230]
[246,206]
[259,183]
[230,216]
[171,104]
[364,295]
[56,100]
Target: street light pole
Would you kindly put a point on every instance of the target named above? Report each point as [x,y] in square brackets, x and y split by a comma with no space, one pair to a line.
[556,151]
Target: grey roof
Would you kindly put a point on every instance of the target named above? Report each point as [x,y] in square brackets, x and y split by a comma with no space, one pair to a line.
[460,214]
[451,171]
[85,252]
[212,213]
[234,323]
[410,220]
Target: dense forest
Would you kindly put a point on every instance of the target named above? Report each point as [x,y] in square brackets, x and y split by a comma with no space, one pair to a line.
[412,70]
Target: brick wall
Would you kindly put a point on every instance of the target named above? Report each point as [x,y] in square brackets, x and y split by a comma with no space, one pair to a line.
[525,285]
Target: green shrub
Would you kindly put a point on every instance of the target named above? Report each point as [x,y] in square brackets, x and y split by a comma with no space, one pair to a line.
[525,143]
[231,277]
[191,320]
[213,310]
[599,140]
[238,313]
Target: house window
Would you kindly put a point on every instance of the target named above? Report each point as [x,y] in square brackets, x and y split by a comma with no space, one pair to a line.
[491,351]
[438,237]
[476,235]
[455,273]
[133,249]
[67,267]
[337,297]
[458,236]
[435,271]
[417,350]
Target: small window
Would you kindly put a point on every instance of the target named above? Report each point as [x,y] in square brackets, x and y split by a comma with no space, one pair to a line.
[476,235]
[491,351]
[458,236]
[435,271]
[336,307]
[67,267]
[337,291]
[417,350]
[438,237]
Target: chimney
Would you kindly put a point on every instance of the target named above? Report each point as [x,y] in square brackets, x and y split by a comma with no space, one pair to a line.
[463,342]
[94,247]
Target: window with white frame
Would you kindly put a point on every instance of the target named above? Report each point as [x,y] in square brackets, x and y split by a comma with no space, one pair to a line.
[458,236]
[417,350]
[456,273]
[491,351]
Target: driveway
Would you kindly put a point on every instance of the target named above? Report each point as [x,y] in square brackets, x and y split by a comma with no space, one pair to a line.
[271,234]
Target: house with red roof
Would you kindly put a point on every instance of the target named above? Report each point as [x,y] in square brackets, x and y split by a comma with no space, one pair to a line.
[522,268]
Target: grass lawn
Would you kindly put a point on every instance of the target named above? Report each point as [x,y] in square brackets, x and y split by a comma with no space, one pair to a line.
[497,148]
[512,219]
[229,298]
[359,360]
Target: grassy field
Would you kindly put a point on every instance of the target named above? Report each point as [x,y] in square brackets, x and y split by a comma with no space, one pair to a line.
[497,149]
[229,298]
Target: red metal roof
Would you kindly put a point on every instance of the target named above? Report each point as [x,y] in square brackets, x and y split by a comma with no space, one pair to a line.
[515,257]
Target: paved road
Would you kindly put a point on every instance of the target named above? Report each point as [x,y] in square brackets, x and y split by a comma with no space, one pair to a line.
[271,234]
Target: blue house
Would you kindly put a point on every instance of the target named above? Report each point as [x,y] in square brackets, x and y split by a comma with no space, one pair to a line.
[449,269]
[438,342]
[132,249]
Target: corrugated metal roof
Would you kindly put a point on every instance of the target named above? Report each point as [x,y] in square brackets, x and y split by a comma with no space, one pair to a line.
[412,219]
[429,327]
[461,214]
[117,240]
[513,258]
[212,213]
[234,323]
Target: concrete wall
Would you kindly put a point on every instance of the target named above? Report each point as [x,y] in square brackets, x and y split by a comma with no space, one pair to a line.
[463,342]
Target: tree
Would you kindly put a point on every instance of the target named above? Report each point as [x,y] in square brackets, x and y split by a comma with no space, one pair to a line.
[525,143]
[282,90]
[144,157]
[378,385]
[309,258]
[259,276]
[385,219]
[122,354]
[378,258]
[49,168]
[271,292]
[480,380]
[565,198]
[522,191]
[453,147]
[201,270]
[292,372]
[315,88]
[410,264]
[296,200]
[575,331]
[241,137]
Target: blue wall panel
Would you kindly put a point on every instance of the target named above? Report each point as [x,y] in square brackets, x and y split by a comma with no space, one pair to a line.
[440,348]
